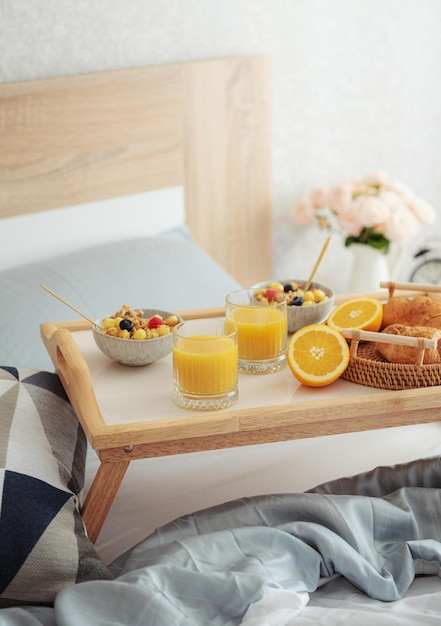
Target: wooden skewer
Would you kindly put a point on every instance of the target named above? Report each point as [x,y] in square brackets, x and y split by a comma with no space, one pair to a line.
[317,263]
[67,304]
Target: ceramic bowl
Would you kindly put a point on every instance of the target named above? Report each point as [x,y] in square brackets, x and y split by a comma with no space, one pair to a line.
[299,316]
[134,352]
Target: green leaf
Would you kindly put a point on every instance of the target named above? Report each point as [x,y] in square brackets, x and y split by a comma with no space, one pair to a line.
[370,237]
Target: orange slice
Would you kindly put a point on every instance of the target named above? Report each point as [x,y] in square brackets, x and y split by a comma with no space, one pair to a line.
[363,313]
[317,355]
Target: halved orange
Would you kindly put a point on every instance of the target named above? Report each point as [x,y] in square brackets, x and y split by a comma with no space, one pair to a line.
[317,355]
[363,313]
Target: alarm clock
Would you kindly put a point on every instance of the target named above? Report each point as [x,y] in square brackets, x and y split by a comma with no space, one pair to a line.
[428,269]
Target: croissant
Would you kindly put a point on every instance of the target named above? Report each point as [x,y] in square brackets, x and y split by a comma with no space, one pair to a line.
[406,354]
[418,311]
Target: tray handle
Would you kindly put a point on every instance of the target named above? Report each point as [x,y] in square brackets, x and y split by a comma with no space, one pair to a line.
[391,286]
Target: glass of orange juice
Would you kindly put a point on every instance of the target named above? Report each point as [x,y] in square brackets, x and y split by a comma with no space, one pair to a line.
[262,330]
[205,364]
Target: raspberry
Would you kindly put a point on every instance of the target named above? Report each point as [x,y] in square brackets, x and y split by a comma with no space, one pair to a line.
[272,294]
[155,321]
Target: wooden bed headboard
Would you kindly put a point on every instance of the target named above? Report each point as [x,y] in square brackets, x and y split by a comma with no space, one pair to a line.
[205,125]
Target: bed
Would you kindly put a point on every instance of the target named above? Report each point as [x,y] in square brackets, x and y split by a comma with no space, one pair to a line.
[330,529]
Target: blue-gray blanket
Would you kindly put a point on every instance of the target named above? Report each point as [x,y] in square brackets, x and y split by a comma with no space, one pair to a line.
[378,530]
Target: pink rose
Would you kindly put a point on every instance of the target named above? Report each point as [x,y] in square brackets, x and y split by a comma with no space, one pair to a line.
[423,211]
[394,200]
[401,226]
[340,198]
[303,212]
[377,178]
[350,227]
[319,198]
[401,190]
[371,210]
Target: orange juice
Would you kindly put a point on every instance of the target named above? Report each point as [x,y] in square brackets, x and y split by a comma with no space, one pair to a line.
[262,332]
[205,365]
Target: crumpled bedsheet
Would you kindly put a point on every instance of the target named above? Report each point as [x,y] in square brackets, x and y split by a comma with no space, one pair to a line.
[378,530]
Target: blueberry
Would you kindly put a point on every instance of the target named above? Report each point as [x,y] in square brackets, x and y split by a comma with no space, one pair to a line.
[288,288]
[297,301]
[126,324]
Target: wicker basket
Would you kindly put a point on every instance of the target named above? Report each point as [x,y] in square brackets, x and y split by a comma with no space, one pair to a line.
[368,367]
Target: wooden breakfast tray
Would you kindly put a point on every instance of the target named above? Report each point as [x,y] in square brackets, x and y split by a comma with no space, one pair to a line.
[145,423]
[367,366]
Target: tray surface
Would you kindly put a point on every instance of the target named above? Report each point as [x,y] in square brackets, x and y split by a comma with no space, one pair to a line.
[117,404]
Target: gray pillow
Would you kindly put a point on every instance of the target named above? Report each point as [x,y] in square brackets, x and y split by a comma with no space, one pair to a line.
[166,272]
[43,542]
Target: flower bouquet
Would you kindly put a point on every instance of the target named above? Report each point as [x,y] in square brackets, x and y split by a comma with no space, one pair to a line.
[374,210]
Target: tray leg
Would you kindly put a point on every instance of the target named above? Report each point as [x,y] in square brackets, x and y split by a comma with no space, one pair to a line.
[101,494]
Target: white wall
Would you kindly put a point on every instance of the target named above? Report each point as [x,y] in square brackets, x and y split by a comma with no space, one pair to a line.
[356,84]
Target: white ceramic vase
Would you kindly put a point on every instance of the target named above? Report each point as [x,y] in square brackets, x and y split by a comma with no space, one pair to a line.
[370,267]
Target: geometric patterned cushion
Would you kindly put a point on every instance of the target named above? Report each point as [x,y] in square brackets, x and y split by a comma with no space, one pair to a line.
[43,541]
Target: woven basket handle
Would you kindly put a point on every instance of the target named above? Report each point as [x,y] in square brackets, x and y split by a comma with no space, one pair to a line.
[398,340]
[401,340]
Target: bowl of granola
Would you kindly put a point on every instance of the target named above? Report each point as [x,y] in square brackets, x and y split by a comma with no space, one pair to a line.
[135,337]
[304,307]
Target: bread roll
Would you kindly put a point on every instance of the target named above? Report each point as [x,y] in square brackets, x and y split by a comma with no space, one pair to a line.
[405,354]
[418,311]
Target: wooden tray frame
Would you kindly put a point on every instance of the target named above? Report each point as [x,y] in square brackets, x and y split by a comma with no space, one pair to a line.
[118,445]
